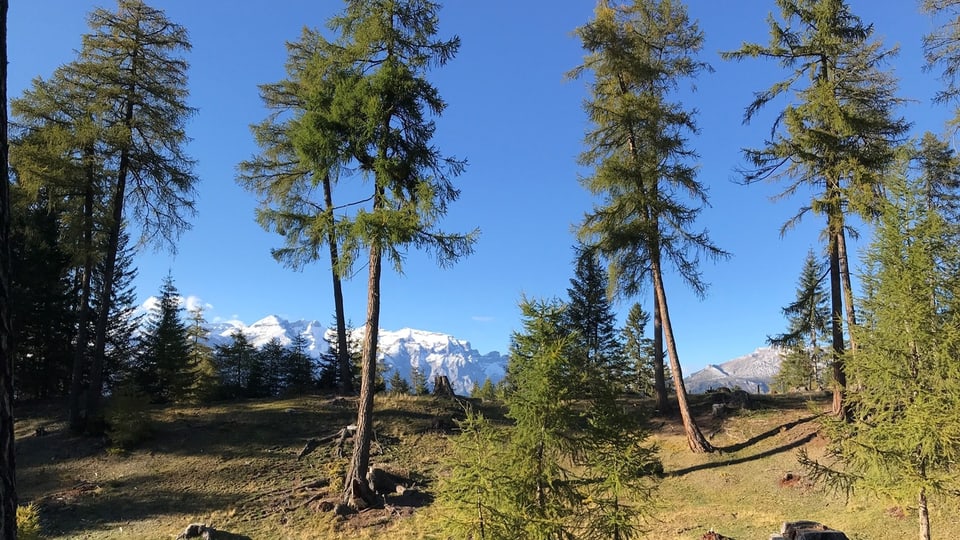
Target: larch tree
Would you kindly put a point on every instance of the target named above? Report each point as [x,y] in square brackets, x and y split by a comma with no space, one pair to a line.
[133,64]
[296,170]
[941,49]
[808,319]
[380,121]
[639,53]
[835,140]
[8,484]
[901,441]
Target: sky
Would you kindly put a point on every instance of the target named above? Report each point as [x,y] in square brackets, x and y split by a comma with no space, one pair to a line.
[518,121]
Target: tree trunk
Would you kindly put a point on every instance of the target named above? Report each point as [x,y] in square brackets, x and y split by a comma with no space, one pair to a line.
[357,495]
[83,311]
[836,321]
[659,377]
[8,485]
[847,287]
[95,391]
[924,515]
[343,348]
[695,439]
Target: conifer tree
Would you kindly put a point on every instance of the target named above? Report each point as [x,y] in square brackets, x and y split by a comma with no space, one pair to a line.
[418,382]
[590,315]
[164,367]
[902,438]
[8,484]
[639,53]
[124,322]
[235,361]
[941,48]
[571,466]
[380,122]
[399,385]
[836,139]
[295,173]
[206,379]
[646,376]
[808,317]
[272,357]
[298,376]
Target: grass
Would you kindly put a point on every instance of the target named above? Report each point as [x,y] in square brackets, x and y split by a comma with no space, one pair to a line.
[234,466]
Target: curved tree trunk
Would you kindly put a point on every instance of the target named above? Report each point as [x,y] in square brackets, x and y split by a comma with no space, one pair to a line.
[8,485]
[847,287]
[695,439]
[357,494]
[659,377]
[343,347]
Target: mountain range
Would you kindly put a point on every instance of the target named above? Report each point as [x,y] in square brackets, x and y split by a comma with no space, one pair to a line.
[434,353]
[402,350]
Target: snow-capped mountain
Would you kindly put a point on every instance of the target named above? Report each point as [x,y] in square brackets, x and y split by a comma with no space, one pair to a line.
[432,353]
[749,372]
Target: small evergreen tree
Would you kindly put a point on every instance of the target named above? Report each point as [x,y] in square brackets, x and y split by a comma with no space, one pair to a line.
[638,349]
[272,357]
[399,385]
[298,375]
[808,321]
[164,370]
[418,382]
[234,362]
[206,377]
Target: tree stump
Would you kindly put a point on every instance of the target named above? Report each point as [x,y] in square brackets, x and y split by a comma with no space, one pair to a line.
[442,387]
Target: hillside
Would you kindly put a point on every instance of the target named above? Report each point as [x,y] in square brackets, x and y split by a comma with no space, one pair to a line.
[235,466]
[753,372]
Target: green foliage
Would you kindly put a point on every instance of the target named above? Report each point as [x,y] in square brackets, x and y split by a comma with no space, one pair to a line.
[235,362]
[487,391]
[28,522]
[941,48]
[639,353]
[418,382]
[573,465]
[804,360]
[205,378]
[902,438]
[129,418]
[164,368]
[399,385]
[298,373]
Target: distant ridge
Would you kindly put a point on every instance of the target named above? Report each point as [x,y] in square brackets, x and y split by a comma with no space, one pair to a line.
[433,353]
[750,372]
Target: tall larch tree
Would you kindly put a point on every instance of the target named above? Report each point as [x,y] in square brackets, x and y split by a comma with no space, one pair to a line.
[381,120]
[296,171]
[835,139]
[643,171]
[8,485]
[901,441]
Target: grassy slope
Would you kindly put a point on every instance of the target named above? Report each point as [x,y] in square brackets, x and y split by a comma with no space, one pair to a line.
[234,466]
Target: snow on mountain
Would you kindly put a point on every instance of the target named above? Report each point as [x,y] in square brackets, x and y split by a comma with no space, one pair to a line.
[749,372]
[432,353]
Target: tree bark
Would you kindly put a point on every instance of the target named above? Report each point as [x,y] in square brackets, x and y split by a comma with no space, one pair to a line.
[695,439]
[343,348]
[357,494]
[845,284]
[924,515]
[659,377]
[8,485]
[836,321]
[83,310]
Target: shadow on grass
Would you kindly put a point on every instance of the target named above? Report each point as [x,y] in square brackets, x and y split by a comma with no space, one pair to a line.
[91,508]
[767,434]
[751,442]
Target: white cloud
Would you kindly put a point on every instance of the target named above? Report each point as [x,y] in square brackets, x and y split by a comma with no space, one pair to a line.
[193,303]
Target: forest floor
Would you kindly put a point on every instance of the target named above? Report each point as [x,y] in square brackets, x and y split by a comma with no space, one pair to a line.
[235,466]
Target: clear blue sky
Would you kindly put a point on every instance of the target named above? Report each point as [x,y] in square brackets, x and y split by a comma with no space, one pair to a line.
[520,125]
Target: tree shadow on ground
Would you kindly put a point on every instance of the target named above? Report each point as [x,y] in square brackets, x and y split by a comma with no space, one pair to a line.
[752,442]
